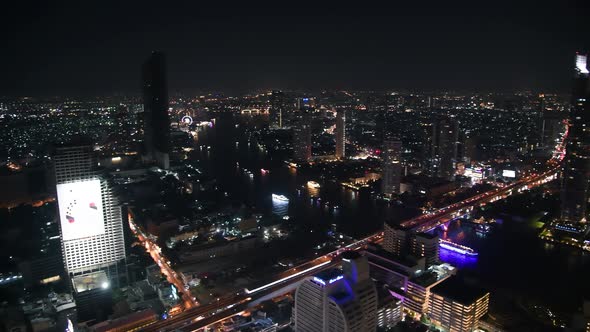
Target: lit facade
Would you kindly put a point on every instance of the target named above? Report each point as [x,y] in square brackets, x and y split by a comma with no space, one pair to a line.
[394,239]
[338,300]
[277,109]
[457,307]
[389,313]
[427,246]
[340,134]
[392,167]
[444,147]
[576,172]
[400,242]
[302,136]
[103,246]
[408,280]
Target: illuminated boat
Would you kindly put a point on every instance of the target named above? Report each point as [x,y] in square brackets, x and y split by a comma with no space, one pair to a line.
[483,228]
[280,198]
[463,250]
[313,184]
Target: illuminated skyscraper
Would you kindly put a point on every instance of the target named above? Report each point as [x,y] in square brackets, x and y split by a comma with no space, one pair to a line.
[392,167]
[156,120]
[340,134]
[576,172]
[401,241]
[302,136]
[427,246]
[338,300]
[91,226]
[444,144]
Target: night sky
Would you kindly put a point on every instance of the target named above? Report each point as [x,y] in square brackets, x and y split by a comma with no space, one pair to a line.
[76,49]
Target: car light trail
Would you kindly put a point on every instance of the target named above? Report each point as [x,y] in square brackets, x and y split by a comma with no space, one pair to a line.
[286,278]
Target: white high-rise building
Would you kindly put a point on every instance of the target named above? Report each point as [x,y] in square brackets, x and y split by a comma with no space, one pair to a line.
[457,306]
[340,134]
[338,300]
[90,216]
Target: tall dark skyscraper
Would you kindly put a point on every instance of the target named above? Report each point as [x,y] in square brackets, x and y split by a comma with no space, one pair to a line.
[156,121]
[576,172]
[302,136]
[277,109]
[445,137]
[392,167]
[551,128]
[340,134]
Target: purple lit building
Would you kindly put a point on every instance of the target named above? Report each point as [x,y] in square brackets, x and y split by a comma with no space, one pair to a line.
[338,299]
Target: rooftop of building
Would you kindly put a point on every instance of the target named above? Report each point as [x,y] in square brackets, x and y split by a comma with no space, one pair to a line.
[91,281]
[76,141]
[394,224]
[434,274]
[425,279]
[384,296]
[350,255]
[428,236]
[407,261]
[458,290]
[330,274]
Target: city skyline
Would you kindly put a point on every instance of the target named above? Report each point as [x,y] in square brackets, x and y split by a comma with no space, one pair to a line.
[251,168]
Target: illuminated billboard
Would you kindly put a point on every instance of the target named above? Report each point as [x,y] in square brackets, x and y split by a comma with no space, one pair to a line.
[508,173]
[80,209]
[581,64]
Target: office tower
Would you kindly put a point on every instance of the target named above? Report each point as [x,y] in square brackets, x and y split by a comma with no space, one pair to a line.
[457,306]
[389,313]
[576,172]
[392,167]
[407,279]
[395,239]
[400,242]
[91,228]
[90,217]
[302,136]
[427,246]
[340,134]
[443,151]
[155,111]
[338,300]
[470,149]
[277,109]
[305,103]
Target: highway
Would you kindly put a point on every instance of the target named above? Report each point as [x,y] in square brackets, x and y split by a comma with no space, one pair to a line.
[429,221]
[197,318]
[202,316]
